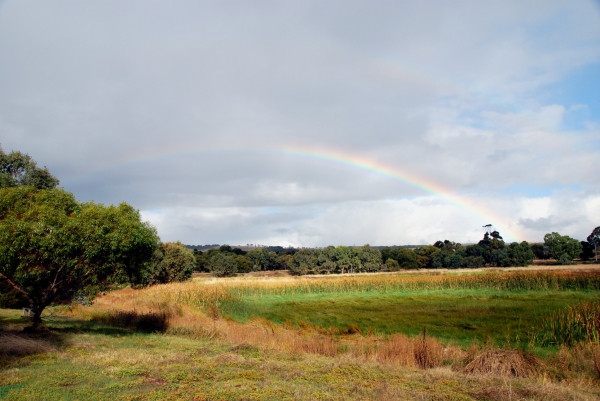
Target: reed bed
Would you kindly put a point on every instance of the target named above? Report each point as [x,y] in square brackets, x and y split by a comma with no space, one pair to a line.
[217,295]
[576,324]
[511,281]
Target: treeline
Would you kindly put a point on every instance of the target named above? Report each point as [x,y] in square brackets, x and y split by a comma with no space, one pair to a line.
[491,251]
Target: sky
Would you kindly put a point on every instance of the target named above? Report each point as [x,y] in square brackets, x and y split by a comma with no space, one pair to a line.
[314,123]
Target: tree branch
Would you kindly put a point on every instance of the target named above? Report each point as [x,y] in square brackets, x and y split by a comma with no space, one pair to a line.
[16,287]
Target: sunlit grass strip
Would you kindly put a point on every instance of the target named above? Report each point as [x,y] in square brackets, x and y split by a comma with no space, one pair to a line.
[576,324]
[513,281]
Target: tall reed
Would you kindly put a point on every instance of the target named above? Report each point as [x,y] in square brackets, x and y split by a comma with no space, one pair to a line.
[384,283]
[576,324]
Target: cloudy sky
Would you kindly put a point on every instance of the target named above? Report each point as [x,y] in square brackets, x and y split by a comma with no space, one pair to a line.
[311,123]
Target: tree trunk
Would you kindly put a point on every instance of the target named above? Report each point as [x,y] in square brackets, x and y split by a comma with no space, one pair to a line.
[36,319]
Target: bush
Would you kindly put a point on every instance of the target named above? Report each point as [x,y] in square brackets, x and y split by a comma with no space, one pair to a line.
[172,262]
[564,259]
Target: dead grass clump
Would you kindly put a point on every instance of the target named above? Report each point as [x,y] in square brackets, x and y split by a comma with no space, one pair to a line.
[429,353]
[22,345]
[504,362]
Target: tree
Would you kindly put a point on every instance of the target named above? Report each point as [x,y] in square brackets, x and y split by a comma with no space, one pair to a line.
[326,260]
[303,262]
[343,258]
[370,258]
[494,250]
[562,247]
[540,251]
[19,169]
[52,246]
[243,264]
[587,251]
[520,254]
[259,258]
[172,262]
[392,265]
[425,255]
[594,239]
[223,264]
[202,261]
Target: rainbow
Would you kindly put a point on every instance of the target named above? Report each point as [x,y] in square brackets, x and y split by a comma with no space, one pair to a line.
[351,160]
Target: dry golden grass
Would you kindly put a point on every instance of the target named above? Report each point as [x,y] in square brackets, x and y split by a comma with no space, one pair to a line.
[263,334]
[505,362]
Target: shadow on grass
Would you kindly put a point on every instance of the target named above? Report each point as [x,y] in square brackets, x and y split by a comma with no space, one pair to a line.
[18,341]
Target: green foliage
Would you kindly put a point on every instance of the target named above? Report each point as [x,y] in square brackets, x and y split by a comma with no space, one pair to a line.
[540,251]
[243,264]
[223,264]
[450,255]
[202,261]
[259,257]
[335,260]
[392,265]
[11,298]
[51,245]
[370,258]
[172,262]
[19,169]
[303,262]
[562,247]
[425,256]
[520,254]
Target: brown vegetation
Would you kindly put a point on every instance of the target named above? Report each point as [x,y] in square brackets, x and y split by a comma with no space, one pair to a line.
[505,362]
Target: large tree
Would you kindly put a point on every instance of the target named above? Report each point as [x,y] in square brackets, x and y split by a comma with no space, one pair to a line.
[52,246]
[562,247]
[19,169]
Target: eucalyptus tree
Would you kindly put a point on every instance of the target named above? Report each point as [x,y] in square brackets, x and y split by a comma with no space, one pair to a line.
[562,247]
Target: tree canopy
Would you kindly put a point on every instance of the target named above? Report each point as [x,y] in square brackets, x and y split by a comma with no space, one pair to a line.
[562,247]
[52,246]
[19,169]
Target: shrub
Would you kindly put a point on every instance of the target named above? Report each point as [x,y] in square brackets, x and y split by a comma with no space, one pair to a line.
[172,262]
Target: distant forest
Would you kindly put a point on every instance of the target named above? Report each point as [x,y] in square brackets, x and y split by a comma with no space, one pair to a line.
[491,251]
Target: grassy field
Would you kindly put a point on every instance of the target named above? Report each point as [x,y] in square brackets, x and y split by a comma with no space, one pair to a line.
[338,338]
[453,316]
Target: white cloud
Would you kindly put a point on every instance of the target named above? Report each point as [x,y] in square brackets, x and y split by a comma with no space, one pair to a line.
[419,220]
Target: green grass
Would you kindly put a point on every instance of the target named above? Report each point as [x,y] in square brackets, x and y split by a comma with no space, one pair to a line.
[459,316]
